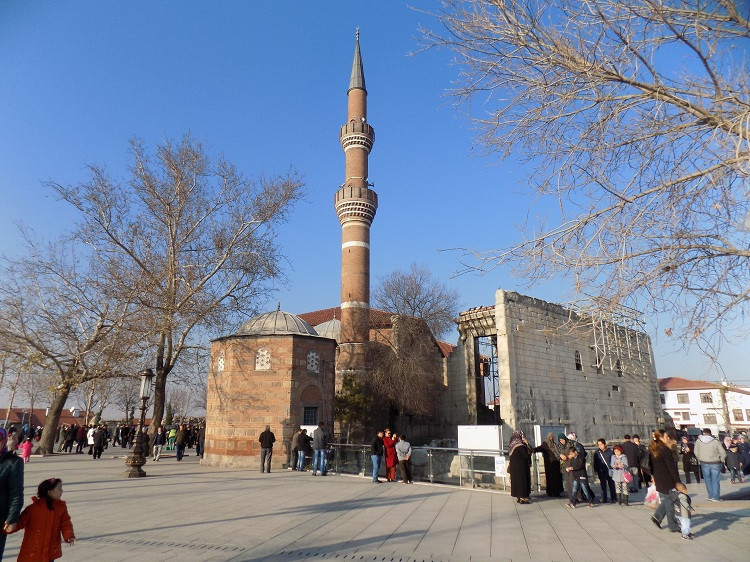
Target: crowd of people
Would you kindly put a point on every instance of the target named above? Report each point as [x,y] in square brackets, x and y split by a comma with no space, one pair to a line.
[630,465]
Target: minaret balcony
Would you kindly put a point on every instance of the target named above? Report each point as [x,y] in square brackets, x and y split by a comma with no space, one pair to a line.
[356,203]
[357,134]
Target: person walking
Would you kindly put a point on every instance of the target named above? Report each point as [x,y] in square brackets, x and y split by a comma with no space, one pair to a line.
[403,453]
[294,446]
[90,438]
[319,442]
[377,449]
[603,469]
[100,440]
[551,458]
[160,439]
[11,489]
[26,448]
[689,462]
[180,441]
[667,480]
[711,455]
[267,439]
[519,459]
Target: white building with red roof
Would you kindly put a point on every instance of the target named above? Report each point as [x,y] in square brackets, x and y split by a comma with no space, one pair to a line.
[695,404]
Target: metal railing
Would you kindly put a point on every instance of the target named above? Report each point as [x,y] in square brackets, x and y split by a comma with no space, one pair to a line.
[439,465]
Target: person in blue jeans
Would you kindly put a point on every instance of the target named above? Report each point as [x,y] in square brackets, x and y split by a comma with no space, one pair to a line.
[303,442]
[576,465]
[377,449]
[320,441]
[711,454]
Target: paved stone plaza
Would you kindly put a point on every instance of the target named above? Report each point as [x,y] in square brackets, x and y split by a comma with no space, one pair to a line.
[183,511]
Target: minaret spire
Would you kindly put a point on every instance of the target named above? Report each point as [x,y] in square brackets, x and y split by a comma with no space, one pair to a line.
[356,205]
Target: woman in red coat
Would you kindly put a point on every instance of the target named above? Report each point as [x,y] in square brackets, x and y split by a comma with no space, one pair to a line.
[45,520]
[391,461]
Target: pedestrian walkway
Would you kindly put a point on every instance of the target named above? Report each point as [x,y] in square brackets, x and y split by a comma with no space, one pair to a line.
[184,511]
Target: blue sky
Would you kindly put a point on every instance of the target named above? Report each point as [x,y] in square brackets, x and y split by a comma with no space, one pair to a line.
[265,84]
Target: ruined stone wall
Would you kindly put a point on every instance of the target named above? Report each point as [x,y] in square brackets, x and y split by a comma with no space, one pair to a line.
[540,384]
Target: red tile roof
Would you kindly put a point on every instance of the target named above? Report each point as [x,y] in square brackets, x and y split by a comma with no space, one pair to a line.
[678,383]
[377,317]
[445,348]
[39,416]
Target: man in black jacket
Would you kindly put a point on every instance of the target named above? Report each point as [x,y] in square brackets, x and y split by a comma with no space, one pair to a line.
[267,439]
[630,450]
[377,448]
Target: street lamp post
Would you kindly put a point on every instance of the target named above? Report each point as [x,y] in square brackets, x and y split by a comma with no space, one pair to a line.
[137,457]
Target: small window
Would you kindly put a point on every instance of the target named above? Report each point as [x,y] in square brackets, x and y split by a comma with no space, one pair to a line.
[683,398]
[709,418]
[632,404]
[615,388]
[579,364]
[262,360]
[313,362]
[737,413]
[663,399]
[310,415]
[685,416]
[618,368]
[220,362]
[706,398]
[747,414]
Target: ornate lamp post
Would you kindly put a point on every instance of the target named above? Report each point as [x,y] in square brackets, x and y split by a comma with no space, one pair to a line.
[137,457]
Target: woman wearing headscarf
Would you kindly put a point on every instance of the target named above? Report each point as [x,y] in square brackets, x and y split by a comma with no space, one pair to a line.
[11,489]
[552,473]
[519,458]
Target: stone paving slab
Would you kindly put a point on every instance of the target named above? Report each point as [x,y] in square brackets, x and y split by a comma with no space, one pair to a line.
[184,511]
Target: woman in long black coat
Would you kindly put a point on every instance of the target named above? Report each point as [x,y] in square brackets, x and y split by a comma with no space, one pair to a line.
[552,470]
[520,467]
[11,490]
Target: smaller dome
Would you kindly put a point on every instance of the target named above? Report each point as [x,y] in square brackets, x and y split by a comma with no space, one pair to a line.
[330,329]
[276,323]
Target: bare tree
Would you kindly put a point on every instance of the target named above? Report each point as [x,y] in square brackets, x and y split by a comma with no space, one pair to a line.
[35,384]
[189,234]
[416,293]
[181,398]
[53,317]
[125,395]
[405,369]
[634,117]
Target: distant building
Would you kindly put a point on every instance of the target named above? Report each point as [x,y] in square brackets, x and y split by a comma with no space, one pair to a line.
[695,404]
[38,416]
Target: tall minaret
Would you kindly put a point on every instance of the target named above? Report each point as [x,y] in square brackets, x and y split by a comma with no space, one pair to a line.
[355,204]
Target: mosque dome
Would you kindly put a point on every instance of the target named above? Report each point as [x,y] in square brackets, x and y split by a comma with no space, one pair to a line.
[330,329]
[276,323]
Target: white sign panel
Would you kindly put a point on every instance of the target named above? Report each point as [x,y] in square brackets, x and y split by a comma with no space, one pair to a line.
[500,467]
[479,438]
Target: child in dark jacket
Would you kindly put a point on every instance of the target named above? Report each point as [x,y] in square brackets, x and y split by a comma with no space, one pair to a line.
[734,463]
[576,465]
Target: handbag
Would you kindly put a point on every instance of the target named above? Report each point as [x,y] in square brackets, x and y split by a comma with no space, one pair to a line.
[627,476]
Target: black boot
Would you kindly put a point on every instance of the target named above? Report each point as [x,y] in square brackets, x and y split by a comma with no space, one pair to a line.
[619,499]
[625,500]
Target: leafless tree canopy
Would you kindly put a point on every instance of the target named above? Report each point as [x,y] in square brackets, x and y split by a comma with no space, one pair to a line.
[416,293]
[189,236]
[634,116]
[62,329]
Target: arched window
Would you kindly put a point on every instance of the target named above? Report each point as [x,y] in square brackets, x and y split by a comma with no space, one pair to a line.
[220,362]
[313,362]
[579,364]
[262,360]
[618,368]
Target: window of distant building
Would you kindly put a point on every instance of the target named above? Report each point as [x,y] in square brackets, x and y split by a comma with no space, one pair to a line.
[618,368]
[747,414]
[313,362]
[579,364]
[310,415]
[737,413]
[683,398]
[706,398]
[262,360]
[709,418]
[663,399]
[220,362]
[685,416]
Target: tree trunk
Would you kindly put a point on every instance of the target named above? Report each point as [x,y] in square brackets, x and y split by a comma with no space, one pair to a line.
[49,433]
[160,394]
